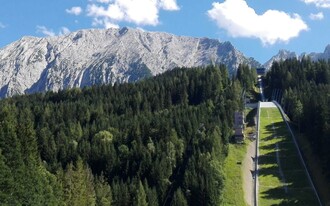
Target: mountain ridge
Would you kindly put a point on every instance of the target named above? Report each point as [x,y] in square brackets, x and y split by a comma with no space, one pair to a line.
[105,56]
[286,54]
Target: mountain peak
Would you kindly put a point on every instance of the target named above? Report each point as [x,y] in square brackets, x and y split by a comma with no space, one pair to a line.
[228,45]
[327,50]
[286,53]
[280,56]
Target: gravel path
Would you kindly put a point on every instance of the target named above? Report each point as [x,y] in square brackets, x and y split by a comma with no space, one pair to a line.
[248,166]
[248,170]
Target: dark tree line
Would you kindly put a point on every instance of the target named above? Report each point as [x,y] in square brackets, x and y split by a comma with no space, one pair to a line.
[158,141]
[306,98]
[246,76]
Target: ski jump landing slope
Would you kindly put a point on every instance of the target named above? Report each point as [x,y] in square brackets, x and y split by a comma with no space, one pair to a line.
[282,177]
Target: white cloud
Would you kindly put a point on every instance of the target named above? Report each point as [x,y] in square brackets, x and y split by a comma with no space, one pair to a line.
[64,31]
[141,29]
[112,12]
[169,5]
[140,12]
[318,16]
[271,27]
[108,24]
[49,32]
[76,10]
[319,3]
[103,1]
[45,31]
[105,22]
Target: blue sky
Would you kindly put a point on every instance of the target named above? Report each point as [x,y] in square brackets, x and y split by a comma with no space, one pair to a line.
[258,28]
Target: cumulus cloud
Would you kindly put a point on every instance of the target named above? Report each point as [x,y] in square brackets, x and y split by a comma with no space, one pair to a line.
[318,16]
[49,32]
[169,5]
[319,3]
[240,20]
[76,10]
[140,12]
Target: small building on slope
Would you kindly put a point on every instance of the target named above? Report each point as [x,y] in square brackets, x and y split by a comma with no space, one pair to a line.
[239,127]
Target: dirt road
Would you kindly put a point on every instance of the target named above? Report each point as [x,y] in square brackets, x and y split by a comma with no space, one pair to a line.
[248,170]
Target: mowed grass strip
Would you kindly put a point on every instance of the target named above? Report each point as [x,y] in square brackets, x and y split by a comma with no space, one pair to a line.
[233,193]
[285,183]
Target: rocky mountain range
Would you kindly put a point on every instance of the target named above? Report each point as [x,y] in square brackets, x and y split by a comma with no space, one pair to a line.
[99,56]
[284,54]
[89,57]
[281,55]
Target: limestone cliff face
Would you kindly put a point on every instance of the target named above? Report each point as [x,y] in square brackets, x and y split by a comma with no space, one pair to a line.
[89,57]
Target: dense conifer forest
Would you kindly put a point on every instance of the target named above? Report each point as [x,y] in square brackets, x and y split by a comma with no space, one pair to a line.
[160,141]
[305,89]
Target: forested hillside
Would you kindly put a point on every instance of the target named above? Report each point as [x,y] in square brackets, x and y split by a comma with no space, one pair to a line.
[161,141]
[306,98]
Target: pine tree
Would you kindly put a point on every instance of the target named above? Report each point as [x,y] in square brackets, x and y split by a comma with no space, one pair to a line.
[78,185]
[7,184]
[179,199]
[141,197]
[103,192]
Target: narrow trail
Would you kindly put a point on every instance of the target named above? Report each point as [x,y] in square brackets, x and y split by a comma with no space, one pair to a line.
[249,173]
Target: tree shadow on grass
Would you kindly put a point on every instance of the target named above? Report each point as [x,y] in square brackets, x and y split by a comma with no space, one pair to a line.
[269,137]
[289,198]
[293,191]
[250,118]
[278,193]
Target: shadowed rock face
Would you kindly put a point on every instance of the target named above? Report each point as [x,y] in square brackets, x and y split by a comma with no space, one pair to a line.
[89,57]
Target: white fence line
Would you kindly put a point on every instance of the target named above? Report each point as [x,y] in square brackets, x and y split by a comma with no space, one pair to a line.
[256,168]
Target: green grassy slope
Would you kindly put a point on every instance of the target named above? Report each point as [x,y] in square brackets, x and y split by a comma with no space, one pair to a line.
[282,178]
[233,193]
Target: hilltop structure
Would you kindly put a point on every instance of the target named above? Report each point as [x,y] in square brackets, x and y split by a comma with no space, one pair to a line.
[261,71]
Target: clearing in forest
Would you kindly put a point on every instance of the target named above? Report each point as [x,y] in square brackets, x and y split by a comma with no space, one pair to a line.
[282,177]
